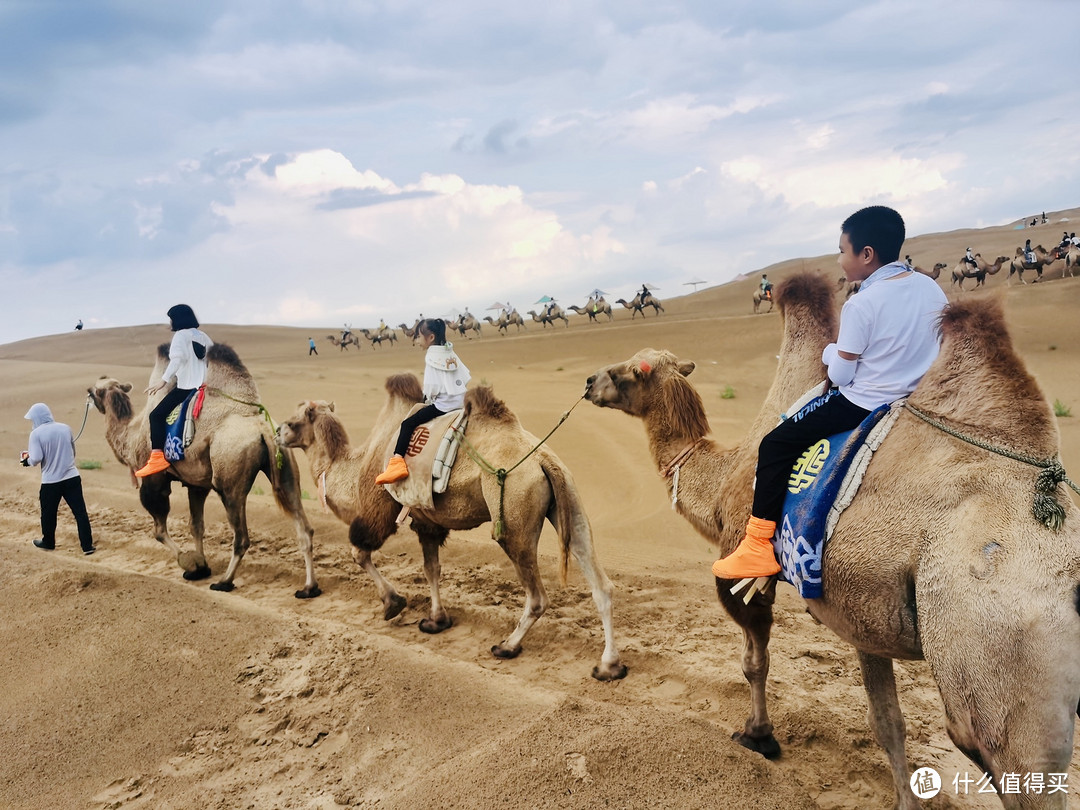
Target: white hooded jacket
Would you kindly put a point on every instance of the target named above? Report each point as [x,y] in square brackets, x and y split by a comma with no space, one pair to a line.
[445,378]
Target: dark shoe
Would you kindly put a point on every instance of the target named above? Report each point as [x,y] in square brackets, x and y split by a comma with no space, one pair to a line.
[89,551]
[41,544]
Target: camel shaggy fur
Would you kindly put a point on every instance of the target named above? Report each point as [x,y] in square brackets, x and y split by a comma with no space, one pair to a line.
[540,487]
[938,557]
[233,443]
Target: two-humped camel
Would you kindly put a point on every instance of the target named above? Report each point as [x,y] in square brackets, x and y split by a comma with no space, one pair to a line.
[411,332]
[935,273]
[504,320]
[380,336]
[758,297]
[350,340]
[1018,264]
[939,556]
[638,304]
[233,443]
[539,487]
[594,308]
[467,323]
[550,315]
[982,270]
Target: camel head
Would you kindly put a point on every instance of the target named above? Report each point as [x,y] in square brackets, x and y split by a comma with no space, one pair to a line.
[651,383]
[313,423]
[110,394]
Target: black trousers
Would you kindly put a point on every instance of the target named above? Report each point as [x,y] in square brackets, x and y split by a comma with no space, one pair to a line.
[158,427]
[69,490]
[411,423]
[781,448]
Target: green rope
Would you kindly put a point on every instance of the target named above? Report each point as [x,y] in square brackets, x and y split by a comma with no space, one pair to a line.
[1045,507]
[501,473]
[279,455]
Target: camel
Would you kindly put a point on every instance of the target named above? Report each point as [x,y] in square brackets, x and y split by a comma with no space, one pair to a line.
[851,287]
[932,273]
[351,340]
[550,315]
[758,298]
[638,305]
[1072,258]
[504,321]
[1042,258]
[594,308]
[918,567]
[963,270]
[233,443]
[411,332]
[467,323]
[380,337]
[539,487]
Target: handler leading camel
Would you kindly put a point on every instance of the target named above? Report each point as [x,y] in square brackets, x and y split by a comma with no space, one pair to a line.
[888,339]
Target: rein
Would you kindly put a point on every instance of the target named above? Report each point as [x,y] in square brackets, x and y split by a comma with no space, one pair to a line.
[86,413]
[279,455]
[501,473]
[1045,506]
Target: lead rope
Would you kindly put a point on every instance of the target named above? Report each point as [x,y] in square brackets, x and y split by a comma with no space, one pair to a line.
[1045,506]
[85,414]
[501,472]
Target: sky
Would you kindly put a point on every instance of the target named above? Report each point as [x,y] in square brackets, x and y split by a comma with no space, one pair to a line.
[322,162]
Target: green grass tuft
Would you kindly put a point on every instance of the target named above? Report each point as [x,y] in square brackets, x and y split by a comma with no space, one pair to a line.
[1061,409]
[727,393]
[90,465]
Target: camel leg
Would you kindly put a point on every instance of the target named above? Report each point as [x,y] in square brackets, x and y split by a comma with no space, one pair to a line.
[887,722]
[431,538]
[756,621]
[154,496]
[287,492]
[523,556]
[194,562]
[393,603]
[236,508]
[581,546]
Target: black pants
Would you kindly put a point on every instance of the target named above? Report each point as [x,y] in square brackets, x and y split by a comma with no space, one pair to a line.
[69,490]
[158,427]
[781,447]
[312,350]
[411,423]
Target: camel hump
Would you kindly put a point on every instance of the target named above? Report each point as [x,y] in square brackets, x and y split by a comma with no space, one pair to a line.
[405,386]
[481,401]
[808,288]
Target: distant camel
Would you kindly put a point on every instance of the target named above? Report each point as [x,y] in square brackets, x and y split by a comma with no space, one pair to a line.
[1072,258]
[467,323]
[503,322]
[377,339]
[932,273]
[1042,258]
[963,270]
[594,308]
[939,556]
[351,340]
[538,486]
[233,443]
[852,287]
[552,314]
[758,298]
[638,305]
[411,332]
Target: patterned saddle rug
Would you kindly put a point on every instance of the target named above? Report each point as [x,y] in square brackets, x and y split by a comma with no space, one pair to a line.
[432,450]
[180,425]
[821,486]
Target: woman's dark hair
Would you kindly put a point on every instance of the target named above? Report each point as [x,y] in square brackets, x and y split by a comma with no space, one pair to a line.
[182,317]
[879,227]
[436,327]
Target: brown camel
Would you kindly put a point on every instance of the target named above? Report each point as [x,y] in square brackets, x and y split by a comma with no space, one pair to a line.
[638,305]
[1042,258]
[935,273]
[351,340]
[233,443]
[540,487]
[1072,258]
[964,576]
[759,296]
[411,332]
[850,287]
[504,320]
[467,323]
[380,337]
[549,316]
[963,270]
[594,308]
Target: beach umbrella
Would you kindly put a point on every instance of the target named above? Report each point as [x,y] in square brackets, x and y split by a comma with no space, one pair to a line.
[694,283]
[451,315]
[497,305]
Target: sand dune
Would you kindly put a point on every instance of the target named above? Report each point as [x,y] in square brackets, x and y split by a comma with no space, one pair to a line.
[127,687]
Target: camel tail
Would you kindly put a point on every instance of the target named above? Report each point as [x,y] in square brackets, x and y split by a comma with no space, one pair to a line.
[569,512]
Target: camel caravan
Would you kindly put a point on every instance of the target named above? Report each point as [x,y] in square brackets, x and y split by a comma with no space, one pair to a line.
[960,547]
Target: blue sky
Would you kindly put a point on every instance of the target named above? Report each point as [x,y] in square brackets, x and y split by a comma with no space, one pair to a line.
[322,162]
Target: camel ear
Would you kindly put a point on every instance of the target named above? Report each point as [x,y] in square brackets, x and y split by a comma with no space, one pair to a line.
[330,405]
[686,366]
[125,387]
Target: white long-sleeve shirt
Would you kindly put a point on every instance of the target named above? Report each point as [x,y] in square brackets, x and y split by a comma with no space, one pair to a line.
[189,370]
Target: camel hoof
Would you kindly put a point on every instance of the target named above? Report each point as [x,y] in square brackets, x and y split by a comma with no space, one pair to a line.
[433,626]
[201,572]
[609,673]
[308,593]
[191,561]
[767,746]
[505,653]
[395,604]
[222,586]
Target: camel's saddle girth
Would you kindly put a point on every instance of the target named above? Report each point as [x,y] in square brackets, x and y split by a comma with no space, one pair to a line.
[432,450]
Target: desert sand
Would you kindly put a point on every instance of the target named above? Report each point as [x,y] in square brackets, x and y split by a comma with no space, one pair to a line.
[124,686]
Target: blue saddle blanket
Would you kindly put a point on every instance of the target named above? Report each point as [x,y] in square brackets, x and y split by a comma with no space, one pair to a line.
[813,485]
[175,441]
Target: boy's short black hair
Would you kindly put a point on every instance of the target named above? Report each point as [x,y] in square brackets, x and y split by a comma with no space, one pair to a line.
[182,317]
[878,226]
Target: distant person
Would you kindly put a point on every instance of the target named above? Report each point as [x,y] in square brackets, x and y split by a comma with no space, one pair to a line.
[766,287]
[908,261]
[1065,242]
[78,326]
[887,340]
[53,447]
[187,367]
[1029,254]
[445,378]
[970,259]
[644,292]
[1044,220]
[1074,240]
[311,347]
[346,331]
